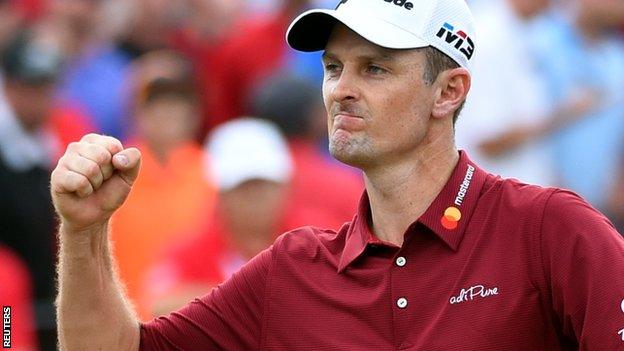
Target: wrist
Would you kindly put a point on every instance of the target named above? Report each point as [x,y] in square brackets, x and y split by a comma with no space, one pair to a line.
[73,230]
[78,241]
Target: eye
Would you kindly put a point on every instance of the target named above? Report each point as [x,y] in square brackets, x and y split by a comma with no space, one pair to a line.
[332,70]
[331,67]
[374,69]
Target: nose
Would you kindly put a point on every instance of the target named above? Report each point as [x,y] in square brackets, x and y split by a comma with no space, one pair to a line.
[346,87]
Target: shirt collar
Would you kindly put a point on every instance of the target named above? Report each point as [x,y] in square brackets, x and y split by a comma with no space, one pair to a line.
[447,216]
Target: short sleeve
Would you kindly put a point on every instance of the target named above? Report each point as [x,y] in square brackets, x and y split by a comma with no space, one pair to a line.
[583,257]
[228,318]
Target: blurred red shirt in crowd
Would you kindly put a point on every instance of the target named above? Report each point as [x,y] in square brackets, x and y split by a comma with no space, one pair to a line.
[15,291]
[325,188]
[229,67]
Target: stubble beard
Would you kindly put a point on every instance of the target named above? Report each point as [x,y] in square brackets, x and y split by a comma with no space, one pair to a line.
[352,150]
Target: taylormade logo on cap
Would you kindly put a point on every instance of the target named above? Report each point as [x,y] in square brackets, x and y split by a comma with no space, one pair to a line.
[446,25]
[402,3]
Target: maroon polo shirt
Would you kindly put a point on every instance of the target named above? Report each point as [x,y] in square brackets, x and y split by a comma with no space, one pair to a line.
[492,264]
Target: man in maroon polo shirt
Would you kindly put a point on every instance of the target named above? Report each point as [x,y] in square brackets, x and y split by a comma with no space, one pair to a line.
[440,255]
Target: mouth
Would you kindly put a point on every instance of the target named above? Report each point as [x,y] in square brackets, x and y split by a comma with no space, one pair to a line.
[348,122]
[346,114]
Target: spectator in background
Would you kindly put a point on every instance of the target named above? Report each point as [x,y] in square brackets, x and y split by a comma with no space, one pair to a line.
[97,70]
[166,118]
[202,36]
[582,58]
[254,50]
[12,19]
[141,26]
[30,66]
[249,162]
[509,100]
[324,189]
[16,292]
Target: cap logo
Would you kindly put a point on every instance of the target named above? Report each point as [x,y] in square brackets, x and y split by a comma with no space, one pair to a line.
[452,215]
[340,3]
[462,41]
[401,3]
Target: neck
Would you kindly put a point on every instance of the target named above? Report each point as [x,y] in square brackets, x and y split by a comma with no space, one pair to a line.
[250,241]
[161,153]
[400,193]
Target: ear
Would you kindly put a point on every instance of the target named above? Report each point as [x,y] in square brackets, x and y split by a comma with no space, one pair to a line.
[452,88]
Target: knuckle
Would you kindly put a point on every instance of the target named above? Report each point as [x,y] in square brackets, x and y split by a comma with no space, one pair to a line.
[82,182]
[107,172]
[73,146]
[61,161]
[69,180]
[102,156]
[90,137]
[85,191]
[114,142]
[92,169]
[97,153]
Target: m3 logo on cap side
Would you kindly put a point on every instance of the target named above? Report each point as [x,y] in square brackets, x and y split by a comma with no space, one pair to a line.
[462,41]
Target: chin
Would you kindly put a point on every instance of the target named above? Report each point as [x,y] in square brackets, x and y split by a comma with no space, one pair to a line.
[350,152]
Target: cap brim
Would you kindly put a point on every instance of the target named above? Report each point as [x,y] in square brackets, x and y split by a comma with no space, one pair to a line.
[311,30]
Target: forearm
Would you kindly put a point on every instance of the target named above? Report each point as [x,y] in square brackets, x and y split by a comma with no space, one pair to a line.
[93,312]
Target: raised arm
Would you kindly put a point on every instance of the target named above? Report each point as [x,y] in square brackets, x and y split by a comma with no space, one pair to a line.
[90,182]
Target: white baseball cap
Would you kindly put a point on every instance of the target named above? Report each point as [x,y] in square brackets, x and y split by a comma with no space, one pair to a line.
[245,149]
[447,25]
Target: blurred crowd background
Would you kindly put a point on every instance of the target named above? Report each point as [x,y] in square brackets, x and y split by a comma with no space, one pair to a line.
[232,129]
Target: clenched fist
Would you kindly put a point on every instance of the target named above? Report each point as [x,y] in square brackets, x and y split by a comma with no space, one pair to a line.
[92,180]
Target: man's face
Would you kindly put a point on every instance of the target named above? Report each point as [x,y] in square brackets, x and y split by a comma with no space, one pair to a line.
[377,103]
[602,14]
[32,103]
[168,122]
[253,207]
[529,8]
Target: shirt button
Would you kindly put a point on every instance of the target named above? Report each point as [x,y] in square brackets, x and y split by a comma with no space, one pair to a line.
[402,302]
[401,261]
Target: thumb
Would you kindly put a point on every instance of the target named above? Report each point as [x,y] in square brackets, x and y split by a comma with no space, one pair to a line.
[127,162]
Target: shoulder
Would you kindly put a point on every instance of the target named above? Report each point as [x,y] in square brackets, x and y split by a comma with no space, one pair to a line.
[515,196]
[311,242]
[567,214]
[555,220]
[559,215]
[554,204]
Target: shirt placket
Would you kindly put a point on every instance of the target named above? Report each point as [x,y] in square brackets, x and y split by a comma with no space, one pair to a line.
[402,308]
